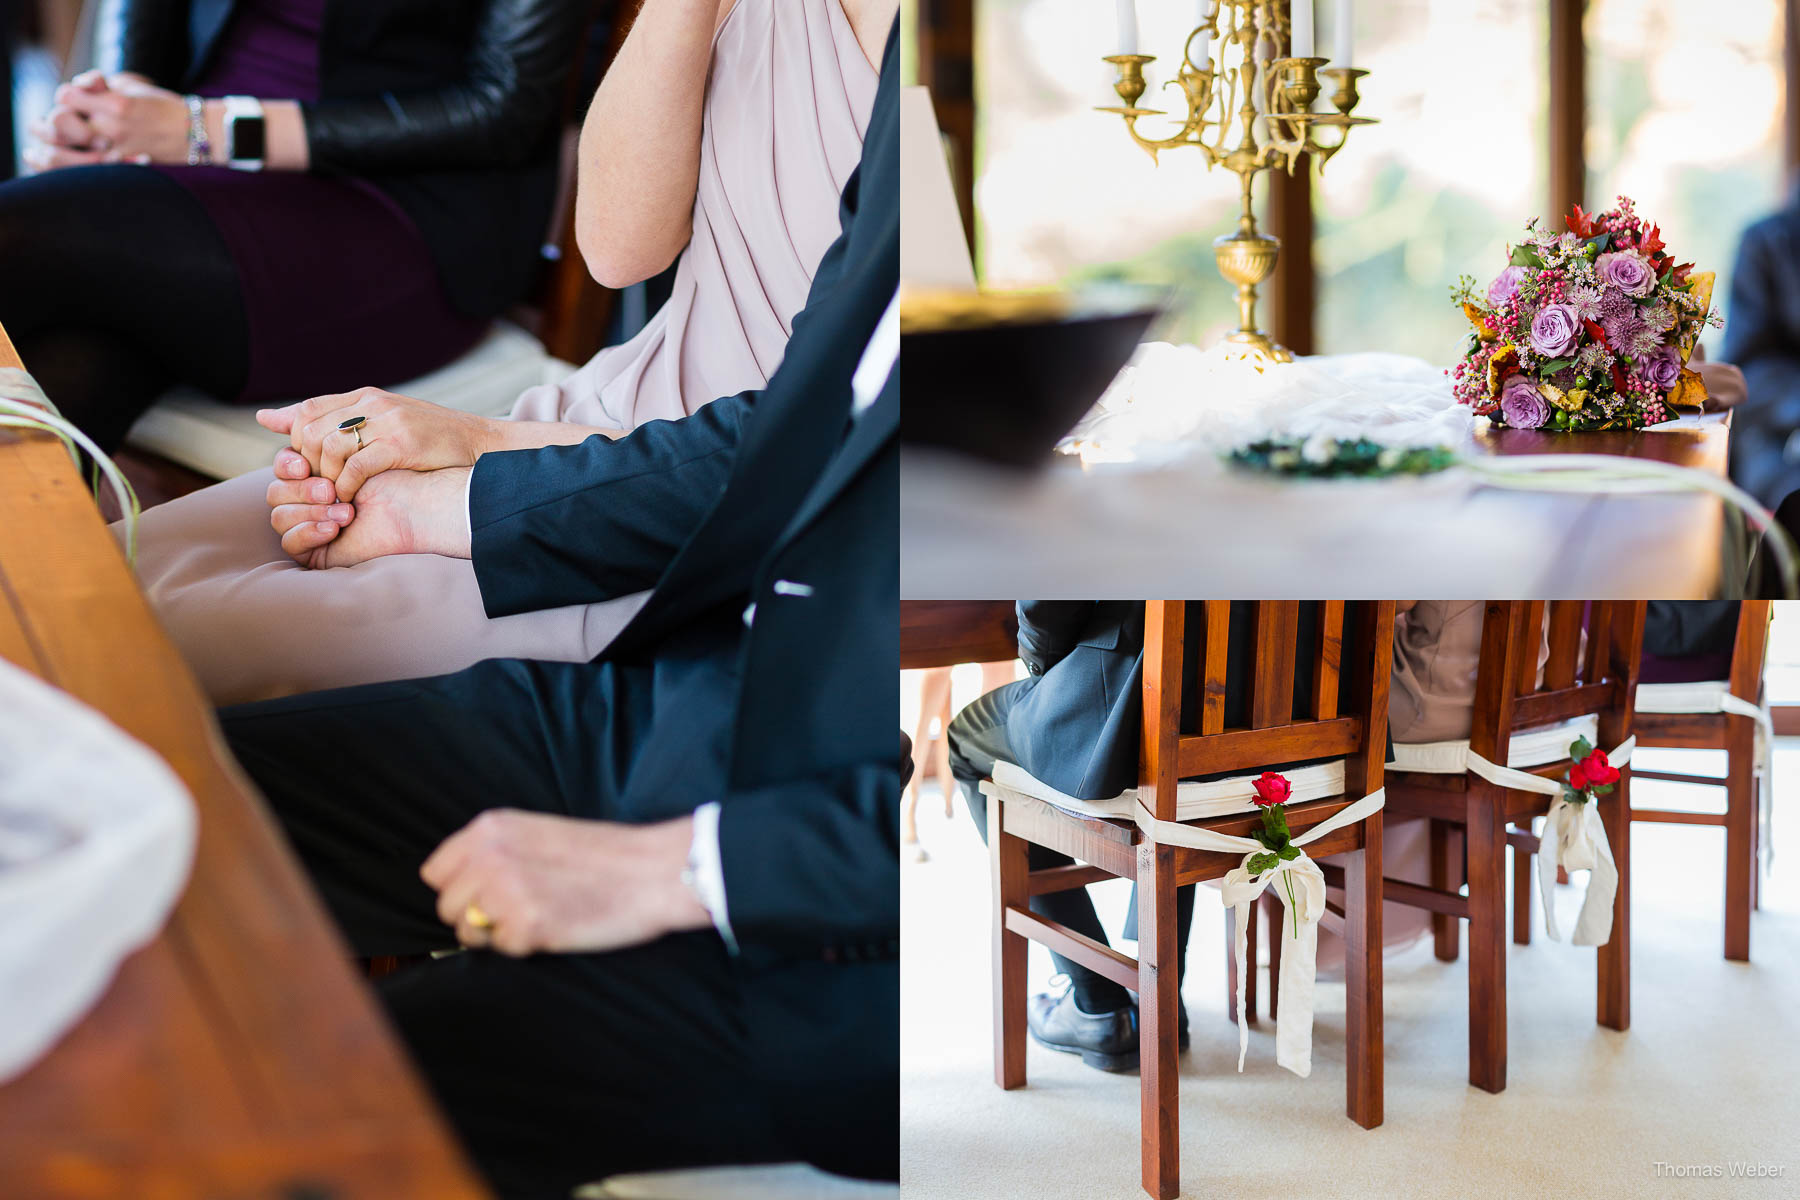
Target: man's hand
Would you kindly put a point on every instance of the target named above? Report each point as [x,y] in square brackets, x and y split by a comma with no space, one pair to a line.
[397,512]
[561,884]
[397,432]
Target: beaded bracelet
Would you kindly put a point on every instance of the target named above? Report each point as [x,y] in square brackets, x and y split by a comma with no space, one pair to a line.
[199,146]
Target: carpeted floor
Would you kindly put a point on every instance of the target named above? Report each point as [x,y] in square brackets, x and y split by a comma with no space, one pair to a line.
[1705,1078]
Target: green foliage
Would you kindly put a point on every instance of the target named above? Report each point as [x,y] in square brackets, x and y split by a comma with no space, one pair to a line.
[1526,256]
[1361,459]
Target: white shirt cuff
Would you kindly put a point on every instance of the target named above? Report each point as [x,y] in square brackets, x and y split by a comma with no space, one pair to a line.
[706,871]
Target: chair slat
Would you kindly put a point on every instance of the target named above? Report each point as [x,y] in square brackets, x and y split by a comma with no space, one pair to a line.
[1565,644]
[1526,683]
[1216,654]
[1272,686]
[1329,663]
[1599,642]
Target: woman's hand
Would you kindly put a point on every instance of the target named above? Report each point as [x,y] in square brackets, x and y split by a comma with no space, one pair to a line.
[116,118]
[398,433]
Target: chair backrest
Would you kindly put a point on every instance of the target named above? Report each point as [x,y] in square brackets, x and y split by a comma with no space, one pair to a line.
[1748,650]
[1590,651]
[1313,683]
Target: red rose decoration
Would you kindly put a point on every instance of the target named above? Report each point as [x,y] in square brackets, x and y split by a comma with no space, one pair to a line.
[1599,772]
[1272,789]
[1577,778]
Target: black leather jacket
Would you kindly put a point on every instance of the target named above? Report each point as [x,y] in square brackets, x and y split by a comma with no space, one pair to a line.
[451,107]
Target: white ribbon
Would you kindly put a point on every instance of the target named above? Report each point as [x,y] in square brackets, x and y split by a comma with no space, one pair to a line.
[1573,838]
[1714,696]
[1303,896]
[23,404]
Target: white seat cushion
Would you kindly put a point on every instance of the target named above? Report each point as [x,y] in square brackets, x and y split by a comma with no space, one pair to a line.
[1194,798]
[1528,748]
[224,440]
[1706,696]
[775,1181]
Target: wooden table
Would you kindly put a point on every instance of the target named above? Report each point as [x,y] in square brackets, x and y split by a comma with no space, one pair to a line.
[239,1054]
[1198,529]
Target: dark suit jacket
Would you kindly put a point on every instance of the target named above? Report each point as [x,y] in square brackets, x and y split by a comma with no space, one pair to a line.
[767,526]
[451,107]
[1763,338]
[1078,725]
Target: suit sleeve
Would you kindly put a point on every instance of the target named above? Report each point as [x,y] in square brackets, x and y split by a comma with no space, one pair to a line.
[814,866]
[1759,339]
[1049,629]
[580,524]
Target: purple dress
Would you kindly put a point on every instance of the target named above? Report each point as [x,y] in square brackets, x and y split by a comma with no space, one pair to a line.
[339,288]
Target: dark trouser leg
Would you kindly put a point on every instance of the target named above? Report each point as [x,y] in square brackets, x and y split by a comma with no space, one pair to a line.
[977,737]
[367,781]
[561,1069]
[115,283]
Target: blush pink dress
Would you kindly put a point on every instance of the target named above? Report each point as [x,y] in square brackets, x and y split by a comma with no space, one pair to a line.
[787,103]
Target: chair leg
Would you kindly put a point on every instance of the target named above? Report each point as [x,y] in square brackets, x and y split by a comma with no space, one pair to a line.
[1159,1003]
[1272,913]
[1756,850]
[1521,912]
[1740,835]
[1011,878]
[1446,867]
[1613,997]
[1231,971]
[1364,1084]
[1486,834]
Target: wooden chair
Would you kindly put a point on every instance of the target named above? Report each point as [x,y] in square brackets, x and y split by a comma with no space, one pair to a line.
[1734,733]
[1600,680]
[1185,736]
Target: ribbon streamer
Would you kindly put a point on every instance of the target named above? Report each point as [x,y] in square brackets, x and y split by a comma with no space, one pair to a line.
[24,405]
[1613,474]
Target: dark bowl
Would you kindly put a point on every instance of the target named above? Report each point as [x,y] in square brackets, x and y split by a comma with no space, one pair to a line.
[1006,388]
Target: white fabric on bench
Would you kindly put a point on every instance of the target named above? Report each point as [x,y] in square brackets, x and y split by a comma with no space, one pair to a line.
[1194,798]
[224,440]
[771,1181]
[96,840]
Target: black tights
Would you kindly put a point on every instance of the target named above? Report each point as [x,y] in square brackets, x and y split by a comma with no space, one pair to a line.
[115,285]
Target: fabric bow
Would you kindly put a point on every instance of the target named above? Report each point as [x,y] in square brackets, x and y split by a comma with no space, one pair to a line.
[1300,927]
[1574,838]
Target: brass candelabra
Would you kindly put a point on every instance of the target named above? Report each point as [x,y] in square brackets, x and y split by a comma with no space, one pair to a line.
[1246,80]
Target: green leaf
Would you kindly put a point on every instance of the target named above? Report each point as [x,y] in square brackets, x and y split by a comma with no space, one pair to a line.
[1288,853]
[1526,256]
[1554,365]
[1580,748]
[1261,862]
[1600,243]
[1601,789]
[1279,815]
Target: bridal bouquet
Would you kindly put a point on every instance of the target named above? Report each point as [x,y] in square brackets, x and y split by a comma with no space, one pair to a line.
[1586,329]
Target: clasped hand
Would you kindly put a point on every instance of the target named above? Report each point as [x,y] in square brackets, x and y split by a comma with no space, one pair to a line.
[100,118]
[336,503]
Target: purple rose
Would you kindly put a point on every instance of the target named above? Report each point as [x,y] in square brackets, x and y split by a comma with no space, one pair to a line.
[1627,271]
[1555,331]
[1662,368]
[1521,404]
[1505,286]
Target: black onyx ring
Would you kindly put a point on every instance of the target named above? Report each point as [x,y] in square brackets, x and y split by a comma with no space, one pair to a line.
[354,425]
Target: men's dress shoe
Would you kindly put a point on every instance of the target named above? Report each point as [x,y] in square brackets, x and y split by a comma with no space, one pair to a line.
[1107,1041]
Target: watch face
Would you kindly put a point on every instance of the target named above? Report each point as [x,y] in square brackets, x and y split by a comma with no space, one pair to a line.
[247,138]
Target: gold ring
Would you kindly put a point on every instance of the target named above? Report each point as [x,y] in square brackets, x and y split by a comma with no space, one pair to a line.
[476,917]
[354,426]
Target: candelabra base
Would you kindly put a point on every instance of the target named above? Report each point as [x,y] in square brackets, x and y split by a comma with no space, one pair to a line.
[1253,346]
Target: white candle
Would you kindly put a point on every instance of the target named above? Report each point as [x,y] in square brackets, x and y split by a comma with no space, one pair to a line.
[1302,18]
[1127,26]
[1346,36]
